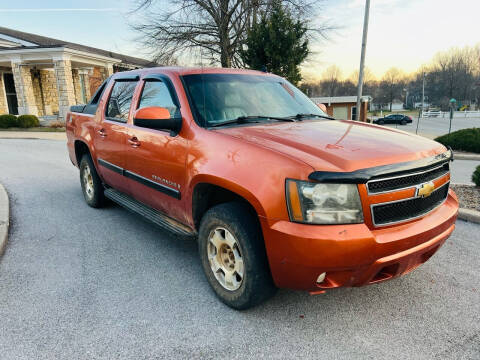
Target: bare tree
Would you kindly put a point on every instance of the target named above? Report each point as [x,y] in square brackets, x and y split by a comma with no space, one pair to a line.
[391,85]
[210,29]
[331,79]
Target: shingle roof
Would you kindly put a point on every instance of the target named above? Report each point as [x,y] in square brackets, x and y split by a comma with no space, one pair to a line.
[340,99]
[46,42]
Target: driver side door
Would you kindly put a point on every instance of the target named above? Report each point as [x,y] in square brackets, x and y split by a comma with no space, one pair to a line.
[155,159]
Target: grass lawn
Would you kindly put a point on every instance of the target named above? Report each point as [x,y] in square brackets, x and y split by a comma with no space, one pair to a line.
[36,129]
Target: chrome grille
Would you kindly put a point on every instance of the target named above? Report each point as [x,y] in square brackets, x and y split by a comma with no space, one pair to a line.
[406,181]
[408,209]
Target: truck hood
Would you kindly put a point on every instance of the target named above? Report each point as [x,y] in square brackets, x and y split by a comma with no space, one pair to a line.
[338,145]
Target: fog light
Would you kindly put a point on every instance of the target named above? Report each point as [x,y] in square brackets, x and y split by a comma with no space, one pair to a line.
[321,277]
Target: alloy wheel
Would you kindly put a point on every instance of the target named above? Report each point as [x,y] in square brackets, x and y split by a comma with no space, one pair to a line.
[225,258]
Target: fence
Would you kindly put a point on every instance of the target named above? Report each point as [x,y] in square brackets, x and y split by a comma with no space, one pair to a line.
[456,114]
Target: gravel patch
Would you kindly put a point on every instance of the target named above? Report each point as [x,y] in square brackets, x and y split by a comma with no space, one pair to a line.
[468,196]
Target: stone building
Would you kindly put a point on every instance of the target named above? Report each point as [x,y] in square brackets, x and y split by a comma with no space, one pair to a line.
[44,76]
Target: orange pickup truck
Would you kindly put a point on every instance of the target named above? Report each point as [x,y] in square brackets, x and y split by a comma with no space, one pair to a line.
[277,193]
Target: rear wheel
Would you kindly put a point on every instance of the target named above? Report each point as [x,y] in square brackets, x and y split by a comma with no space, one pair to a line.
[233,256]
[92,187]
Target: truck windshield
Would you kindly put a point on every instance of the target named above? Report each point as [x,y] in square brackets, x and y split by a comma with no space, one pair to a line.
[218,98]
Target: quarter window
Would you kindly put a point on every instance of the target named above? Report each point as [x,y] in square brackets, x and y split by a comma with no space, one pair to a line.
[156,93]
[120,99]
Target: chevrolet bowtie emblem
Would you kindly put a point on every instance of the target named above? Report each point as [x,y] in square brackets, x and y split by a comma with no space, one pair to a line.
[425,190]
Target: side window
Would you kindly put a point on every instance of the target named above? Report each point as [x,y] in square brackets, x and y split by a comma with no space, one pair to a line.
[91,107]
[155,93]
[120,99]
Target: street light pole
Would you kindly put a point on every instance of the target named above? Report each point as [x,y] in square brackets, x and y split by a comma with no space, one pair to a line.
[423,92]
[362,60]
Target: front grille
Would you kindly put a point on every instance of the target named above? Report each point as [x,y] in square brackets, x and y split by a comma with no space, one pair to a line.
[409,180]
[408,209]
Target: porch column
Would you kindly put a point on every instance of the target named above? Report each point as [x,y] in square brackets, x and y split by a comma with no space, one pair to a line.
[66,94]
[3,97]
[77,87]
[24,88]
[107,71]
[86,81]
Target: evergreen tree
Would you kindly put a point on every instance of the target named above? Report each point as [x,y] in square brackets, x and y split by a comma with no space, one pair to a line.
[277,44]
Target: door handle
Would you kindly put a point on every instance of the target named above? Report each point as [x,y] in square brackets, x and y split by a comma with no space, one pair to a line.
[102,132]
[134,141]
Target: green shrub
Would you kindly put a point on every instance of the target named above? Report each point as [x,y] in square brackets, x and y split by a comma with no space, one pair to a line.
[7,121]
[28,121]
[464,140]
[476,176]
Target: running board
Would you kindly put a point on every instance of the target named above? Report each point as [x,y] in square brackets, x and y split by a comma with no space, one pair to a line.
[148,213]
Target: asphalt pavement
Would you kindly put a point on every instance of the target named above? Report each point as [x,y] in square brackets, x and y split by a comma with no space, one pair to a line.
[81,283]
[462,170]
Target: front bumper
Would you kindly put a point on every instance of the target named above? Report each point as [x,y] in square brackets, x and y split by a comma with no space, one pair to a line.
[353,255]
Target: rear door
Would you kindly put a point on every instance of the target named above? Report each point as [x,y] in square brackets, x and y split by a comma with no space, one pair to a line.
[111,133]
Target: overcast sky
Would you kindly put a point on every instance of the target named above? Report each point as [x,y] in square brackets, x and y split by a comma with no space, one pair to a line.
[402,33]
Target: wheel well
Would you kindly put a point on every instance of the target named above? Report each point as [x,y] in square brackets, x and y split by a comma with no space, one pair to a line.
[205,196]
[80,149]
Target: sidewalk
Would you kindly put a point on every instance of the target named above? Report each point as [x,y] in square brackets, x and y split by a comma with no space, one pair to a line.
[61,136]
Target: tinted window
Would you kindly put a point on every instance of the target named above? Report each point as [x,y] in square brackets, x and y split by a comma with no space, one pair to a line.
[120,100]
[155,93]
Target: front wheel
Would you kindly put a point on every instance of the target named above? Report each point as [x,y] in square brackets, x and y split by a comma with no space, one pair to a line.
[92,187]
[404,122]
[233,256]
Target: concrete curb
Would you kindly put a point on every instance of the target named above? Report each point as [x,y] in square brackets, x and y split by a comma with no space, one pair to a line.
[33,135]
[457,156]
[4,219]
[469,215]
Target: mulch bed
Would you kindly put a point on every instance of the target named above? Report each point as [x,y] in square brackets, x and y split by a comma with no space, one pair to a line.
[468,196]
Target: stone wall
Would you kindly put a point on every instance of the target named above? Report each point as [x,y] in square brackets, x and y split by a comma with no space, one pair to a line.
[95,79]
[37,93]
[24,89]
[77,87]
[48,90]
[66,92]
[50,94]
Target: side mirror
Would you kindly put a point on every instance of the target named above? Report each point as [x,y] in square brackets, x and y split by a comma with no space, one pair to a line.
[322,107]
[158,118]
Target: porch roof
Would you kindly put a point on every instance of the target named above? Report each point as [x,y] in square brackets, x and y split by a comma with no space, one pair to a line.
[29,41]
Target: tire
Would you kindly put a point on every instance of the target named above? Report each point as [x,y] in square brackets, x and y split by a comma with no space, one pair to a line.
[404,122]
[217,251]
[381,122]
[92,187]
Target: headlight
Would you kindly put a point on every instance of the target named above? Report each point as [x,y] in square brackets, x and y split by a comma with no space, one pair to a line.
[315,203]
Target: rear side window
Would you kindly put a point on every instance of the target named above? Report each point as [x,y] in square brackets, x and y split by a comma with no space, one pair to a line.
[120,100]
[91,107]
[156,93]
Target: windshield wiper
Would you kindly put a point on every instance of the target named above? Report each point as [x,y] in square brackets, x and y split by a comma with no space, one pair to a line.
[303,116]
[247,119]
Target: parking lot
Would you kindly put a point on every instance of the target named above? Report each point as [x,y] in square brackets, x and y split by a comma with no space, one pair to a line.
[436,126]
[81,283]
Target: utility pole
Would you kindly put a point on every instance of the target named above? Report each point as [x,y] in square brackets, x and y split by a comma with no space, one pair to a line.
[423,92]
[362,60]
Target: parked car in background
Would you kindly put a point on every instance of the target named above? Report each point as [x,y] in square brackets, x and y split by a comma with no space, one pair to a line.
[394,119]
